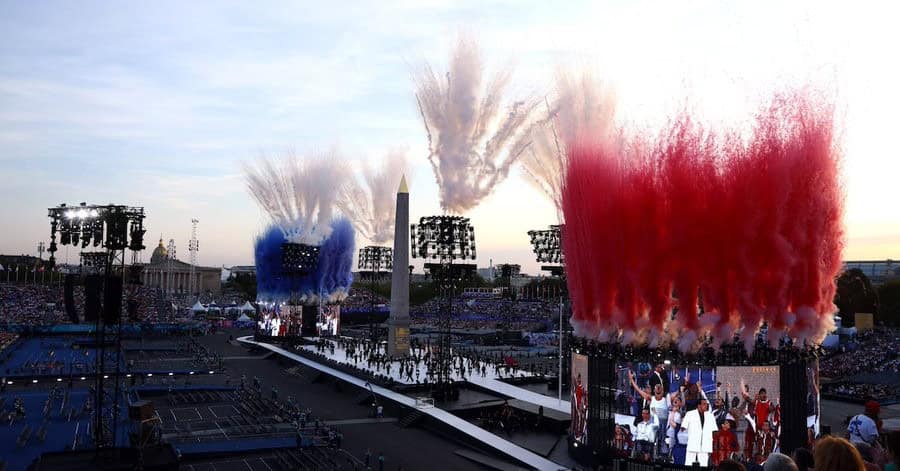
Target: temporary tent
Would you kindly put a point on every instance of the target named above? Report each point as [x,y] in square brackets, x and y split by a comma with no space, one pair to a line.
[198,307]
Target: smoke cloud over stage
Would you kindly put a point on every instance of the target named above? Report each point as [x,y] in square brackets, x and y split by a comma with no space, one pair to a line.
[331,278]
[728,231]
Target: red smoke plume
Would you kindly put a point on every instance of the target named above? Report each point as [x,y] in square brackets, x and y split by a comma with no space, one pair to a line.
[729,233]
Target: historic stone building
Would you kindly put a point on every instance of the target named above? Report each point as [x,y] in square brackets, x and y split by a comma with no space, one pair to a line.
[174,276]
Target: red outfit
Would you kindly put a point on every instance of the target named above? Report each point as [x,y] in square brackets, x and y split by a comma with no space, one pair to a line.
[761,412]
[765,445]
[725,442]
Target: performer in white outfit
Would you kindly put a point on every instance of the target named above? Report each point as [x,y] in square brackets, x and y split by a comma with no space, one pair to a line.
[700,425]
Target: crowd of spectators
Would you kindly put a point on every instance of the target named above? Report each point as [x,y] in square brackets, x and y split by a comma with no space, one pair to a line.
[488,312]
[861,391]
[848,374]
[34,304]
[7,339]
[43,304]
[880,346]
[363,299]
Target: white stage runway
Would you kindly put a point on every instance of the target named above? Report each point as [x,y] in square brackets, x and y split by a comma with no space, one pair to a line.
[489,381]
[508,448]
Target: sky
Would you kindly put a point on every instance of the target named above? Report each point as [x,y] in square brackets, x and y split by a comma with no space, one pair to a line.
[157,104]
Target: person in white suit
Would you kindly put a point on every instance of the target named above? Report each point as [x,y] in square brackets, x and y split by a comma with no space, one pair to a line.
[700,424]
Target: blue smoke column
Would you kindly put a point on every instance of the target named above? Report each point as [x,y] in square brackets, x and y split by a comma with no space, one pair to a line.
[333,276]
[331,279]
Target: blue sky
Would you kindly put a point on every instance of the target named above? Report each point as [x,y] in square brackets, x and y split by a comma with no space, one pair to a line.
[158,103]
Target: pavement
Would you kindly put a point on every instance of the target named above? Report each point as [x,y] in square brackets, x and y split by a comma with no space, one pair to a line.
[409,448]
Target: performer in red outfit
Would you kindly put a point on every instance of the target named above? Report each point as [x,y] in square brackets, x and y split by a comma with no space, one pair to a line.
[725,442]
[764,443]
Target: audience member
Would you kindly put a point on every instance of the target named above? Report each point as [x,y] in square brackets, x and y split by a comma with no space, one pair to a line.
[837,454]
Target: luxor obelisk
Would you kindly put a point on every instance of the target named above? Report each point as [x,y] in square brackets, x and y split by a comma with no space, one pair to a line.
[398,323]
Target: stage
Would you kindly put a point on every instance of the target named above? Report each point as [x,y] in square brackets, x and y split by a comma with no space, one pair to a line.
[491,381]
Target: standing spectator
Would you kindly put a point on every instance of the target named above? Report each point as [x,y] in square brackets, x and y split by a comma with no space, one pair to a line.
[804,459]
[893,448]
[779,462]
[730,465]
[837,454]
[863,428]
[380,461]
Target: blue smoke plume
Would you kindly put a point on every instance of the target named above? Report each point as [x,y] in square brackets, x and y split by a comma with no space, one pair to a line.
[331,278]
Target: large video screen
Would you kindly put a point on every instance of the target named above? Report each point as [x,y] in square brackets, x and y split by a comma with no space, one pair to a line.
[329,322]
[280,320]
[579,398]
[748,402]
[744,401]
[812,401]
[665,391]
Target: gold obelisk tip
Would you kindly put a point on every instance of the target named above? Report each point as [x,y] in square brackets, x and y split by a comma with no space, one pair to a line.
[403,188]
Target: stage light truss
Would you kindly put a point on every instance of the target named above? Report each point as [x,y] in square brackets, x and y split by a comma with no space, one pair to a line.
[94,262]
[299,259]
[444,238]
[547,245]
[375,259]
[450,272]
[115,227]
[508,270]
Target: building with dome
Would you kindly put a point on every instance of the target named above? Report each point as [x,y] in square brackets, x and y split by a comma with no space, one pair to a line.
[174,276]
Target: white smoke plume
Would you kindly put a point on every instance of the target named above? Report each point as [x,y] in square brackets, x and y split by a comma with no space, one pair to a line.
[580,108]
[299,194]
[471,137]
[370,204]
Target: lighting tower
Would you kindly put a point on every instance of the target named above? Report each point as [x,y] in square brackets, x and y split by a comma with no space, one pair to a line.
[170,262]
[109,226]
[374,261]
[444,239]
[194,248]
[547,247]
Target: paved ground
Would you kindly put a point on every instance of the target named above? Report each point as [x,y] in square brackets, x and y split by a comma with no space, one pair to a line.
[409,448]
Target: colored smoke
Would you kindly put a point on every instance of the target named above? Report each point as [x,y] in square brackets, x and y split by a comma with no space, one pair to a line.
[579,106]
[370,204]
[331,279]
[729,233]
[471,136]
[299,194]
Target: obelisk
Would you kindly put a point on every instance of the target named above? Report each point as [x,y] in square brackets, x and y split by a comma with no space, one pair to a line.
[398,322]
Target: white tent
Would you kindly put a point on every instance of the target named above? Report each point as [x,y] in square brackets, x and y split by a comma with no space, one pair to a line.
[213,306]
[248,307]
[198,307]
[244,318]
[1,268]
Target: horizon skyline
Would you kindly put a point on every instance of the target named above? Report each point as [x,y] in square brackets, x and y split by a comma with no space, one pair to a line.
[157,107]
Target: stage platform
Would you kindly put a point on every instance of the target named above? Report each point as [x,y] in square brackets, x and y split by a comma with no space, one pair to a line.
[492,380]
[505,447]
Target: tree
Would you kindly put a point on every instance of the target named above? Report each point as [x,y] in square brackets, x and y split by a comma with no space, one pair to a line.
[889,302]
[244,284]
[855,294]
